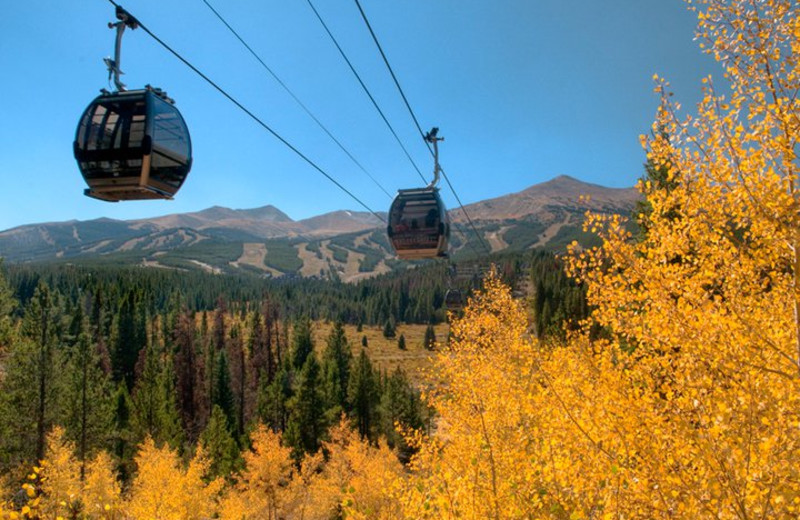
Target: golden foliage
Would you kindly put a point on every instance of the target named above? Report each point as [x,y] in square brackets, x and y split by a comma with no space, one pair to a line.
[101,491]
[163,490]
[261,490]
[681,398]
[60,478]
[359,479]
[485,460]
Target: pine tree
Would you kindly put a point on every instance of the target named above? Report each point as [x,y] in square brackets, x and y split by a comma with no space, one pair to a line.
[219,445]
[389,329]
[221,394]
[129,340]
[429,342]
[123,436]
[189,385]
[302,343]
[238,379]
[7,306]
[306,425]
[154,410]
[400,404]
[219,332]
[657,178]
[401,342]
[30,389]
[171,430]
[88,400]
[260,360]
[273,398]
[363,396]
[336,362]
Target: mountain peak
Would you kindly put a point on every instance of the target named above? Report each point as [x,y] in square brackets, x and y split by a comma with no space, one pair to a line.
[268,212]
[562,191]
[340,221]
[564,183]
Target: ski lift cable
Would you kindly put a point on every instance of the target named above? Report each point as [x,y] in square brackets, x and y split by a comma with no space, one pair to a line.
[253,116]
[366,90]
[293,96]
[416,122]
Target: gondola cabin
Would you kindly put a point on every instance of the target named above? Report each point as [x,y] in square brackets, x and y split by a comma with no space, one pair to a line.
[453,300]
[133,145]
[418,224]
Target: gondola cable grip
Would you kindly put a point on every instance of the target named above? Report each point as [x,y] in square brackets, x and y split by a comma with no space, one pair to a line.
[433,138]
[114,70]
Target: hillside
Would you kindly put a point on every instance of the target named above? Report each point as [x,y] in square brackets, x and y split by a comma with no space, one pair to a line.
[346,245]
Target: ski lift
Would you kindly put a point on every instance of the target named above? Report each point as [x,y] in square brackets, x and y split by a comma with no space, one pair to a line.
[453,300]
[418,223]
[132,145]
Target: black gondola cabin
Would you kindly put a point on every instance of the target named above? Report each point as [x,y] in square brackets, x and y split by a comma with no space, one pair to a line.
[133,145]
[453,300]
[418,224]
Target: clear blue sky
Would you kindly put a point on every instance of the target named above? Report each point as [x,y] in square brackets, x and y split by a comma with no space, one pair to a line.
[523,90]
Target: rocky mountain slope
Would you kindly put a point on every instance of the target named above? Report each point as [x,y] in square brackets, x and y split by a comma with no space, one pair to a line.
[343,244]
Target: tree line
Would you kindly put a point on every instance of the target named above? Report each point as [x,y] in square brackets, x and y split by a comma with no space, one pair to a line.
[114,375]
[415,295]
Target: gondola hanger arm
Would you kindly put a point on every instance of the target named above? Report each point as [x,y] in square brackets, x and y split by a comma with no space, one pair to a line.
[125,20]
[432,137]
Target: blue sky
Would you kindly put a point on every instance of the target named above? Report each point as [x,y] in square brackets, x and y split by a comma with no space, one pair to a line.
[523,90]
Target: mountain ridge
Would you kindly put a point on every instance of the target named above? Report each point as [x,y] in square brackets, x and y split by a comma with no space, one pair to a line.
[342,244]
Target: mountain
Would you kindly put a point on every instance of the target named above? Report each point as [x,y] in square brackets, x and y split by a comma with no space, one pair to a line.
[562,191]
[549,214]
[347,245]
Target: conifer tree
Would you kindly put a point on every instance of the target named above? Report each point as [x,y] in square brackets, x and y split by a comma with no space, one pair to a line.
[170,419]
[307,424]
[221,394]
[400,404]
[7,306]
[219,445]
[302,343]
[273,398]
[30,389]
[429,341]
[154,410]
[259,353]
[88,399]
[401,342]
[389,329]
[363,396]
[238,379]
[336,361]
[262,358]
[189,385]
[219,331]
[130,338]
[123,436]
